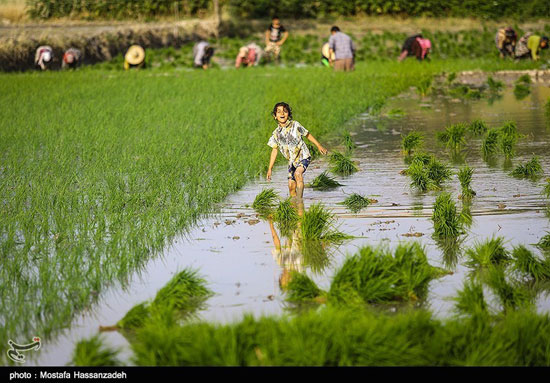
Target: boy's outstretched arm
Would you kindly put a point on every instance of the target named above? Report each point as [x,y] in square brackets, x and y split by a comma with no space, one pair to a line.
[271,162]
[319,146]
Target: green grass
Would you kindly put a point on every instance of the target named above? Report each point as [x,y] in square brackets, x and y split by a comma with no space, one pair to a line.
[531,169]
[92,352]
[342,164]
[446,220]
[109,172]
[356,202]
[265,201]
[324,182]
[412,141]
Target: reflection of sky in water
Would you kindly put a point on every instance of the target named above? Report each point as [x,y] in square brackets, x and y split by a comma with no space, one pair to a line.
[236,256]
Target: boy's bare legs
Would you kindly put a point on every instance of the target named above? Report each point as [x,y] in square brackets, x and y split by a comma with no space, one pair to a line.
[299,176]
[292,188]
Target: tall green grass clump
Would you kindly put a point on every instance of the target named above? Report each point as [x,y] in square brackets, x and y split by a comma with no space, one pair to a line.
[454,136]
[447,222]
[525,262]
[477,127]
[356,202]
[324,182]
[318,223]
[465,178]
[412,141]
[265,201]
[93,352]
[531,169]
[495,86]
[489,147]
[342,164]
[488,253]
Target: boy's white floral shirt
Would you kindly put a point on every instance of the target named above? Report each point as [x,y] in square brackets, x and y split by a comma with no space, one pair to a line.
[289,140]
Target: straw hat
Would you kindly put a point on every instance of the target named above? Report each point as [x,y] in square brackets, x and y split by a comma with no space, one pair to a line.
[325,50]
[135,55]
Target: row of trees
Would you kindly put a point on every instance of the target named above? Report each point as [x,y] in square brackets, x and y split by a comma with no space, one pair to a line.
[123,9]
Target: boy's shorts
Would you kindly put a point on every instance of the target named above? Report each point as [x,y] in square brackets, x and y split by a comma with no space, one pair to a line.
[292,169]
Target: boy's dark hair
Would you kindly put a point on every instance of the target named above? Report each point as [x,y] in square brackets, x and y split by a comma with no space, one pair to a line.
[335,29]
[284,105]
[275,17]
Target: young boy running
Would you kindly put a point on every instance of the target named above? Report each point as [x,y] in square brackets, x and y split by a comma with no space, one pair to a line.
[288,138]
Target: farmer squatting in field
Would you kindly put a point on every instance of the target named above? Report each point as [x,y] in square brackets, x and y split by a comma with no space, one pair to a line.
[288,138]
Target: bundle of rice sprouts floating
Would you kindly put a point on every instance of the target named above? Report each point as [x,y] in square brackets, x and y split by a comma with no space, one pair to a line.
[356,202]
[412,141]
[286,216]
[495,86]
[427,173]
[489,253]
[324,182]
[342,164]
[454,136]
[477,127]
[265,201]
[465,178]
[447,221]
[348,142]
[489,147]
[319,224]
[531,169]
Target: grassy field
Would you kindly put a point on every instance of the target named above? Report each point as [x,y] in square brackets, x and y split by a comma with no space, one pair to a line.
[100,169]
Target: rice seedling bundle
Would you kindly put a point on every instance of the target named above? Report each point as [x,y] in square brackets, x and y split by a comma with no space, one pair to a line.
[531,168]
[342,164]
[438,172]
[265,201]
[412,141]
[471,300]
[420,178]
[356,202]
[546,189]
[185,292]
[465,178]
[524,79]
[488,253]
[348,142]
[301,288]
[446,220]
[544,242]
[318,223]
[521,91]
[525,262]
[286,215]
[510,129]
[93,352]
[324,182]
[454,136]
[489,146]
[478,127]
[495,86]
[512,295]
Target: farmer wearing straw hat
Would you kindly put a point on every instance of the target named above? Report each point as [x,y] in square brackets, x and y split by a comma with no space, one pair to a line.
[43,57]
[249,55]
[71,58]
[135,57]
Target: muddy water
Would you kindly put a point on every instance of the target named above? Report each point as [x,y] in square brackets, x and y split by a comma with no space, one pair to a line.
[235,252]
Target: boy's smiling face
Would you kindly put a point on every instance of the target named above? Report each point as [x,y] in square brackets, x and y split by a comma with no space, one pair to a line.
[281,115]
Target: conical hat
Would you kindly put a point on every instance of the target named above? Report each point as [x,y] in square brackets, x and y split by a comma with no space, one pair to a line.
[135,55]
[325,50]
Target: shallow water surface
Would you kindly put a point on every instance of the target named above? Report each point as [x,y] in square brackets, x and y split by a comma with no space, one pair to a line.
[235,251]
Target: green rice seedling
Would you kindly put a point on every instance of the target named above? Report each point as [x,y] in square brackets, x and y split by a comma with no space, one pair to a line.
[544,242]
[512,295]
[451,77]
[546,189]
[531,169]
[477,127]
[489,147]
[301,288]
[524,79]
[265,201]
[420,178]
[446,220]
[438,172]
[412,141]
[348,142]
[318,223]
[510,128]
[424,86]
[488,253]
[470,301]
[356,202]
[342,164]
[495,86]
[465,178]
[525,262]
[286,215]
[422,157]
[507,143]
[324,182]
[135,317]
[521,91]
[454,136]
[92,352]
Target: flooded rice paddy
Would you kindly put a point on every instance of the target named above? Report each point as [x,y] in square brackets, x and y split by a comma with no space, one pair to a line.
[234,250]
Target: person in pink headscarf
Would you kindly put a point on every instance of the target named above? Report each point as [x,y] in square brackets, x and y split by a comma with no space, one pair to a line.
[416,46]
[425,47]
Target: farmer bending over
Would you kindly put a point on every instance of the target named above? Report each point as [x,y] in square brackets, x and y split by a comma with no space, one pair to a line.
[505,41]
[71,58]
[43,57]
[530,46]
[202,53]
[288,138]
[249,55]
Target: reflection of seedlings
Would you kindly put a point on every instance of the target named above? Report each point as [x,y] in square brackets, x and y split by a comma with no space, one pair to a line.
[348,142]
[477,127]
[324,182]
[465,92]
[92,352]
[265,201]
[301,288]
[447,222]
[454,136]
[525,262]
[511,295]
[342,164]
[524,80]
[521,91]
[495,86]
[544,242]
[356,202]
[452,250]
[412,141]
[531,169]
[319,224]
[470,301]
[286,216]
[465,178]
[488,253]
[396,112]
[466,214]
[489,147]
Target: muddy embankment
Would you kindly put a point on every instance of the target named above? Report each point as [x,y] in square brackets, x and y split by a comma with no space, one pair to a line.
[97,43]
